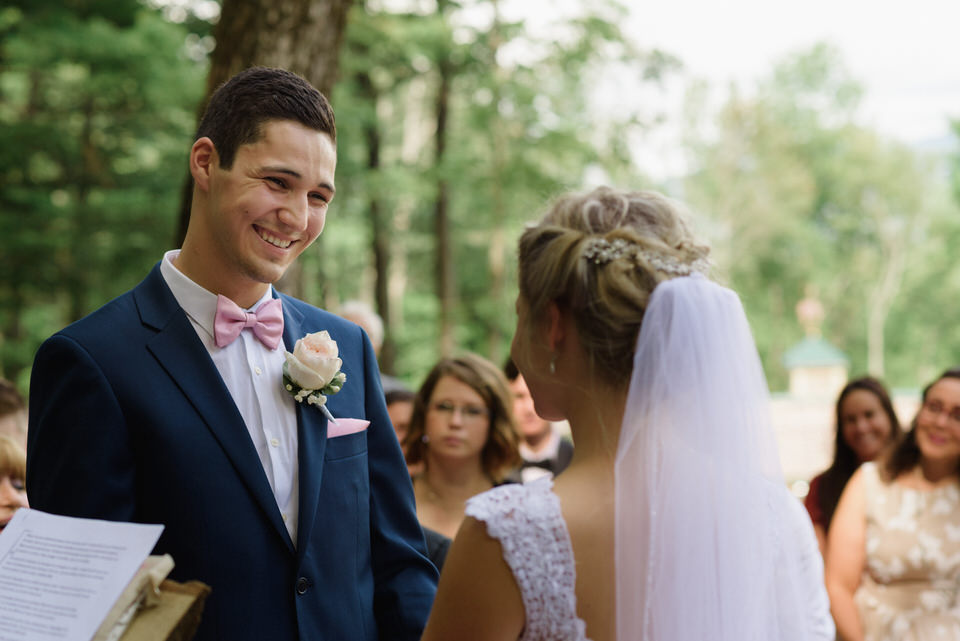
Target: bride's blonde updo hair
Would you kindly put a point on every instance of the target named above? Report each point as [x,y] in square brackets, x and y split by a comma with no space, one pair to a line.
[600,255]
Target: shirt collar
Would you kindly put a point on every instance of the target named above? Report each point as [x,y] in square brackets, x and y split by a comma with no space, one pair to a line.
[199,304]
[551,450]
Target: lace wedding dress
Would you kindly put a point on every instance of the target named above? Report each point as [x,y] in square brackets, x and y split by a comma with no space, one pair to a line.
[527,521]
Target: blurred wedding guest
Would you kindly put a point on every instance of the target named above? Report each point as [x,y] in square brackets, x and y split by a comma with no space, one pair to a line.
[400,409]
[13,413]
[866,424]
[893,562]
[437,547]
[362,314]
[544,451]
[463,433]
[13,472]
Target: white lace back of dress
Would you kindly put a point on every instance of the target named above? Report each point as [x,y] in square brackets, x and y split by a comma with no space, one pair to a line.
[697,465]
[527,521]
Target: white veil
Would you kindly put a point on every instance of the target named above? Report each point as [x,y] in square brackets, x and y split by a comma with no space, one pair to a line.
[698,546]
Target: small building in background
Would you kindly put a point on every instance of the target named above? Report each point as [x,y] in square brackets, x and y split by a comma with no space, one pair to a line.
[803,416]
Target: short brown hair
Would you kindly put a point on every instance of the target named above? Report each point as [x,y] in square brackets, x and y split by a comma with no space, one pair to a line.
[500,454]
[240,107]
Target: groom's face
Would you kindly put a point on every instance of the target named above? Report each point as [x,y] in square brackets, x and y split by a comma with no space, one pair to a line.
[271,204]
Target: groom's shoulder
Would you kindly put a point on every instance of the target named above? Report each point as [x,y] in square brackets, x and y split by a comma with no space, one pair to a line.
[111,322]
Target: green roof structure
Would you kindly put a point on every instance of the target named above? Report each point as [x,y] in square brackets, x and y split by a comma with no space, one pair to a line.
[814,352]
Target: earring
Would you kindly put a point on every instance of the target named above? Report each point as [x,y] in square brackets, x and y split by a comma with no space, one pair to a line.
[553,363]
[424,439]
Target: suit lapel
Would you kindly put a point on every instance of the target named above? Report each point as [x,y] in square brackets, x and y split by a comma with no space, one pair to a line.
[311,439]
[179,351]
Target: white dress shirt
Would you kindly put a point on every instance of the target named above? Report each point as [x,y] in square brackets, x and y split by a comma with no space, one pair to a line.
[253,374]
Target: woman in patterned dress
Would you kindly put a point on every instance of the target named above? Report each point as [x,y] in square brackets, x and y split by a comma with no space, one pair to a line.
[893,567]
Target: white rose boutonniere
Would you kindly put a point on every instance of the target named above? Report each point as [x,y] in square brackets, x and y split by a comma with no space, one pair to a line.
[313,370]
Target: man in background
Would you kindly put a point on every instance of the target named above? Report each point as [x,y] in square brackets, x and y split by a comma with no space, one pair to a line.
[544,450]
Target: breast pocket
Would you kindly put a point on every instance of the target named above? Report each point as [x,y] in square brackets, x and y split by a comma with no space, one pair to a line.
[346,446]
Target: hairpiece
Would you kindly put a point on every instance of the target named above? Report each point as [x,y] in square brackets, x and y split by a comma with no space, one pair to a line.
[601,251]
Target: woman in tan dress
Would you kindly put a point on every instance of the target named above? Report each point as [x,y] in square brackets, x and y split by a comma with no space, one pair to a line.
[893,568]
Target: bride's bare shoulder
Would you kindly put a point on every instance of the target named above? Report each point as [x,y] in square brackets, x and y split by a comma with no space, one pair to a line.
[460,610]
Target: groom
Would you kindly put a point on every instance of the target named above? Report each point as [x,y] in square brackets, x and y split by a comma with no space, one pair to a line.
[168,405]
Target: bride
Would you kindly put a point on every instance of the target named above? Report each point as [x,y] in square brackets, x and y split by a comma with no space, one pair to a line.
[673,521]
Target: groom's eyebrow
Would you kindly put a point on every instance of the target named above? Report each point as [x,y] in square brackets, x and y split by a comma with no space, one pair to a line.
[296,174]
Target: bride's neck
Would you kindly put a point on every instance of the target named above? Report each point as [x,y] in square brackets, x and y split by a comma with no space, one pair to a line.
[595,417]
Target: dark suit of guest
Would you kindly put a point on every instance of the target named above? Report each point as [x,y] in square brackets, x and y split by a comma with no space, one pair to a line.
[131,421]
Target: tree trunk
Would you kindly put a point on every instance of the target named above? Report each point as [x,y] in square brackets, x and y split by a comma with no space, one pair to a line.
[445,272]
[444,241]
[380,235]
[496,256]
[77,266]
[303,36]
[894,231]
[881,300]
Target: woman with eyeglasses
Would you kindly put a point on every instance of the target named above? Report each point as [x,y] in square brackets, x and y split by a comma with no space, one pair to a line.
[893,570]
[462,431]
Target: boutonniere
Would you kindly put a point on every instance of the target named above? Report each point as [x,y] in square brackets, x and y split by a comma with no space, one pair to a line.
[312,370]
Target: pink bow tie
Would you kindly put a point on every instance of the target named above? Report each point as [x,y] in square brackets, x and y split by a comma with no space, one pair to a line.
[266,322]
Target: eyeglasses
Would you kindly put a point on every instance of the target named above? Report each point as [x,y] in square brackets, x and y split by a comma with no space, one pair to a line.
[936,408]
[468,413]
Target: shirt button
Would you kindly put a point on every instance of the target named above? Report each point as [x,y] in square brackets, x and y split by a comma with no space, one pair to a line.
[258,371]
[275,442]
[302,585]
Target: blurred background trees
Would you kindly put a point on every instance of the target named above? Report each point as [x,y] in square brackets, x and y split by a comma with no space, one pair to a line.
[455,127]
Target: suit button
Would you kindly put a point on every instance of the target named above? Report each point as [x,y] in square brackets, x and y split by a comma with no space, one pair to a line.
[302,585]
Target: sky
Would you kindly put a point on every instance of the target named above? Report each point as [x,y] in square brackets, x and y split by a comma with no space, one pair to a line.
[906,55]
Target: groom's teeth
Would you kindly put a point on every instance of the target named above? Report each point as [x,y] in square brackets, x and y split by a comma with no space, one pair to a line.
[273,240]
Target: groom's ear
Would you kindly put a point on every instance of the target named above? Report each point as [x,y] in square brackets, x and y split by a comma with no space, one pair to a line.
[203,157]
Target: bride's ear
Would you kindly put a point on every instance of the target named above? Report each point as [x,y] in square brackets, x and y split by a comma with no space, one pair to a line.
[556,329]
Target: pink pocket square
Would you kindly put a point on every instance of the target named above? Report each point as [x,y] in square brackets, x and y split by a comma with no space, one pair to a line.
[345,426]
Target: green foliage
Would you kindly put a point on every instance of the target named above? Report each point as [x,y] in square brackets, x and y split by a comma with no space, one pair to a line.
[95,124]
[520,131]
[955,163]
[801,196]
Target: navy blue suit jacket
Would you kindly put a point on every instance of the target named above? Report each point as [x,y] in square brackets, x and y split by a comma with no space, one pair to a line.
[130,420]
